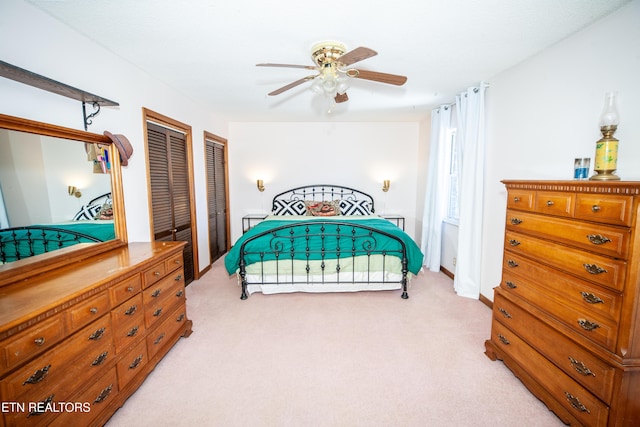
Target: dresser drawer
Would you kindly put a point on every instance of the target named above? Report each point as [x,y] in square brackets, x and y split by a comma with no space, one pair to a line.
[575,398]
[126,311]
[580,364]
[131,364]
[589,266]
[555,203]
[605,208]
[521,199]
[174,262]
[62,368]
[92,401]
[124,290]
[604,239]
[164,288]
[153,274]
[128,323]
[158,310]
[88,311]
[158,339]
[33,341]
[538,284]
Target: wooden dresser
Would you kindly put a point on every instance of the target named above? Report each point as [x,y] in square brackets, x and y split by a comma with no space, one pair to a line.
[77,341]
[566,316]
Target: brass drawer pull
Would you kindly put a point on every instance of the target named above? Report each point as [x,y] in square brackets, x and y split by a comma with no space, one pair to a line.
[176,261]
[550,203]
[103,394]
[510,284]
[514,242]
[580,367]
[598,239]
[179,294]
[156,293]
[575,402]
[100,359]
[40,407]
[160,338]
[157,312]
[156,273]
[591,298]
[180,318]
[516,199]
[503,339]
[595,208]
[97,334]
[131,310]
[504,312]
[130,289]
[136,362]
[515,221]
[587,325]
[39,341]
[37,376]
[511,263]
[133,331]
[594,269]
[178,278]
[93,310]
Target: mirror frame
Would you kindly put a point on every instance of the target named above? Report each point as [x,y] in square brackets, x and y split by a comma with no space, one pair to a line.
[24,268]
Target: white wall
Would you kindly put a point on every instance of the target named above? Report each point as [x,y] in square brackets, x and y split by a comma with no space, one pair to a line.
[357,155]
[38,43]
[544,112]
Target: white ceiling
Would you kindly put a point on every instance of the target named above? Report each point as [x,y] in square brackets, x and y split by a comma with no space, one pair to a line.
[207,49]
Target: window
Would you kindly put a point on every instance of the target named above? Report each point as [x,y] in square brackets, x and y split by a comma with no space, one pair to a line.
[453,204]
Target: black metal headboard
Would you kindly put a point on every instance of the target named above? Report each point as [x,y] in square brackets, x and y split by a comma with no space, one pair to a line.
[323,193]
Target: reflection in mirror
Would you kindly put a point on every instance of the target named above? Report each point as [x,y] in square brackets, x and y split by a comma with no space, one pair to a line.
[39,213]
[40,210]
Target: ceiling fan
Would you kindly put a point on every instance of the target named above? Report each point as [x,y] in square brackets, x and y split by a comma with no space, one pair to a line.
[333,70]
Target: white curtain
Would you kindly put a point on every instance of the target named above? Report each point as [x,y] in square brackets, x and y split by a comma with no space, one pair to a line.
[4,220]
[471,142]
[434,206]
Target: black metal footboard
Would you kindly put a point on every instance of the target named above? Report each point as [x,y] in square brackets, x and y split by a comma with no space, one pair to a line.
[22,242]
[323,252]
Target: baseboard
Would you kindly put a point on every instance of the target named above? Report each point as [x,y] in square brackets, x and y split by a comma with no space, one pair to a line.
[486,301]
[447,272]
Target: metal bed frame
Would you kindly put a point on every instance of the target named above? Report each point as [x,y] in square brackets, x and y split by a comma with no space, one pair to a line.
[336,240]
[36,240]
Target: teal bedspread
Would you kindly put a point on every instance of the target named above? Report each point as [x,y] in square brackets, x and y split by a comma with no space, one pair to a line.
[300,244]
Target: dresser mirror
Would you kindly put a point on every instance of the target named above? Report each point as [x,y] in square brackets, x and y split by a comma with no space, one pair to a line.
[51,179]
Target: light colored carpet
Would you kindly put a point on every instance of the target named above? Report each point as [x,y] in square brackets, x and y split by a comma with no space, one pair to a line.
[356,359]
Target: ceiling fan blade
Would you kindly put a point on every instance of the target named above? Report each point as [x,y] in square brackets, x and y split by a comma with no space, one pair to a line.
[341,98]
[392,79]
[356,55]
[292,85]
[306,67]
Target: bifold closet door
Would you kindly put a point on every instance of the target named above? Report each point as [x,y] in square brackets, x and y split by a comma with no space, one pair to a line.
[170,198]
[216,197]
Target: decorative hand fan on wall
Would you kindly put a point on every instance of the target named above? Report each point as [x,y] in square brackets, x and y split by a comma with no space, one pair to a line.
[333,70]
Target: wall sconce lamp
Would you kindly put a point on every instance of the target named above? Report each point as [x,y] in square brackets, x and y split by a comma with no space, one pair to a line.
[73,191]
[260,184]
[385,185]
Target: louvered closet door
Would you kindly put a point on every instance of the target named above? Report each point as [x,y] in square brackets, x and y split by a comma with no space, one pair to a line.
[216,196]
[170,200]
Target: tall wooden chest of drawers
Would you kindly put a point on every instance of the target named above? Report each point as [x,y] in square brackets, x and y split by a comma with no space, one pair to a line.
[77,341]
[566,316]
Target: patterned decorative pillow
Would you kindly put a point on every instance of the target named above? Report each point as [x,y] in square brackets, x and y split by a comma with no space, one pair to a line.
[106,212]
[289,207]
[88,212]
[329,208]
[355,207]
